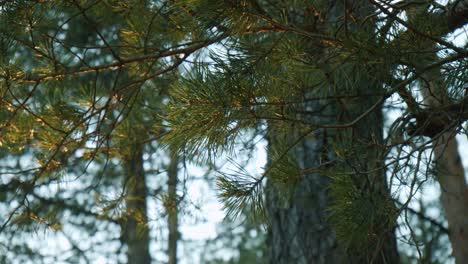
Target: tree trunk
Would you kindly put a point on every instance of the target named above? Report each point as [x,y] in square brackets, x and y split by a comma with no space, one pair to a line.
[300,230]
[135,229]
[172,208]
[449,168]
[454,196]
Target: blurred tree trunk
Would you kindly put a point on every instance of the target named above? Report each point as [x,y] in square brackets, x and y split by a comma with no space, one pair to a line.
[300,229]
[135,229]
[449,168]
[454,196]
[172,207]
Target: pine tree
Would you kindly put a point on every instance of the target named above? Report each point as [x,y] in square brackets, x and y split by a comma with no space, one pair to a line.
[311,76]
[86,121]
[321,109]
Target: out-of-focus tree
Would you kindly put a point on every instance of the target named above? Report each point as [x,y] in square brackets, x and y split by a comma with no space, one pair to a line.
[79,128]
[317,75]
[236,243]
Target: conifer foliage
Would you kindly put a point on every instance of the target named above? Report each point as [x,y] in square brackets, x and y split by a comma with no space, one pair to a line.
[87,87]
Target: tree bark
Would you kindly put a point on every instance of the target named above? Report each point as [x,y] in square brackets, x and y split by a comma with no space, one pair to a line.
[172,208]
[454,195]
[449,168]
[300,231]
[135,229]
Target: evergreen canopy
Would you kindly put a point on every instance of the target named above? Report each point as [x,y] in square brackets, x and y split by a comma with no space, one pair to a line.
[86,82]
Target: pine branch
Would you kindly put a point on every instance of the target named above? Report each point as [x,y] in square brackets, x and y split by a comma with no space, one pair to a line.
[121,63]
[414,30]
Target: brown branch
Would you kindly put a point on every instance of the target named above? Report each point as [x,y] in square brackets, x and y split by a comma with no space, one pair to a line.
[123,62]
[424,217]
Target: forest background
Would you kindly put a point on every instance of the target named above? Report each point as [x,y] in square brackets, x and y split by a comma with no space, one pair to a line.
[113,112]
